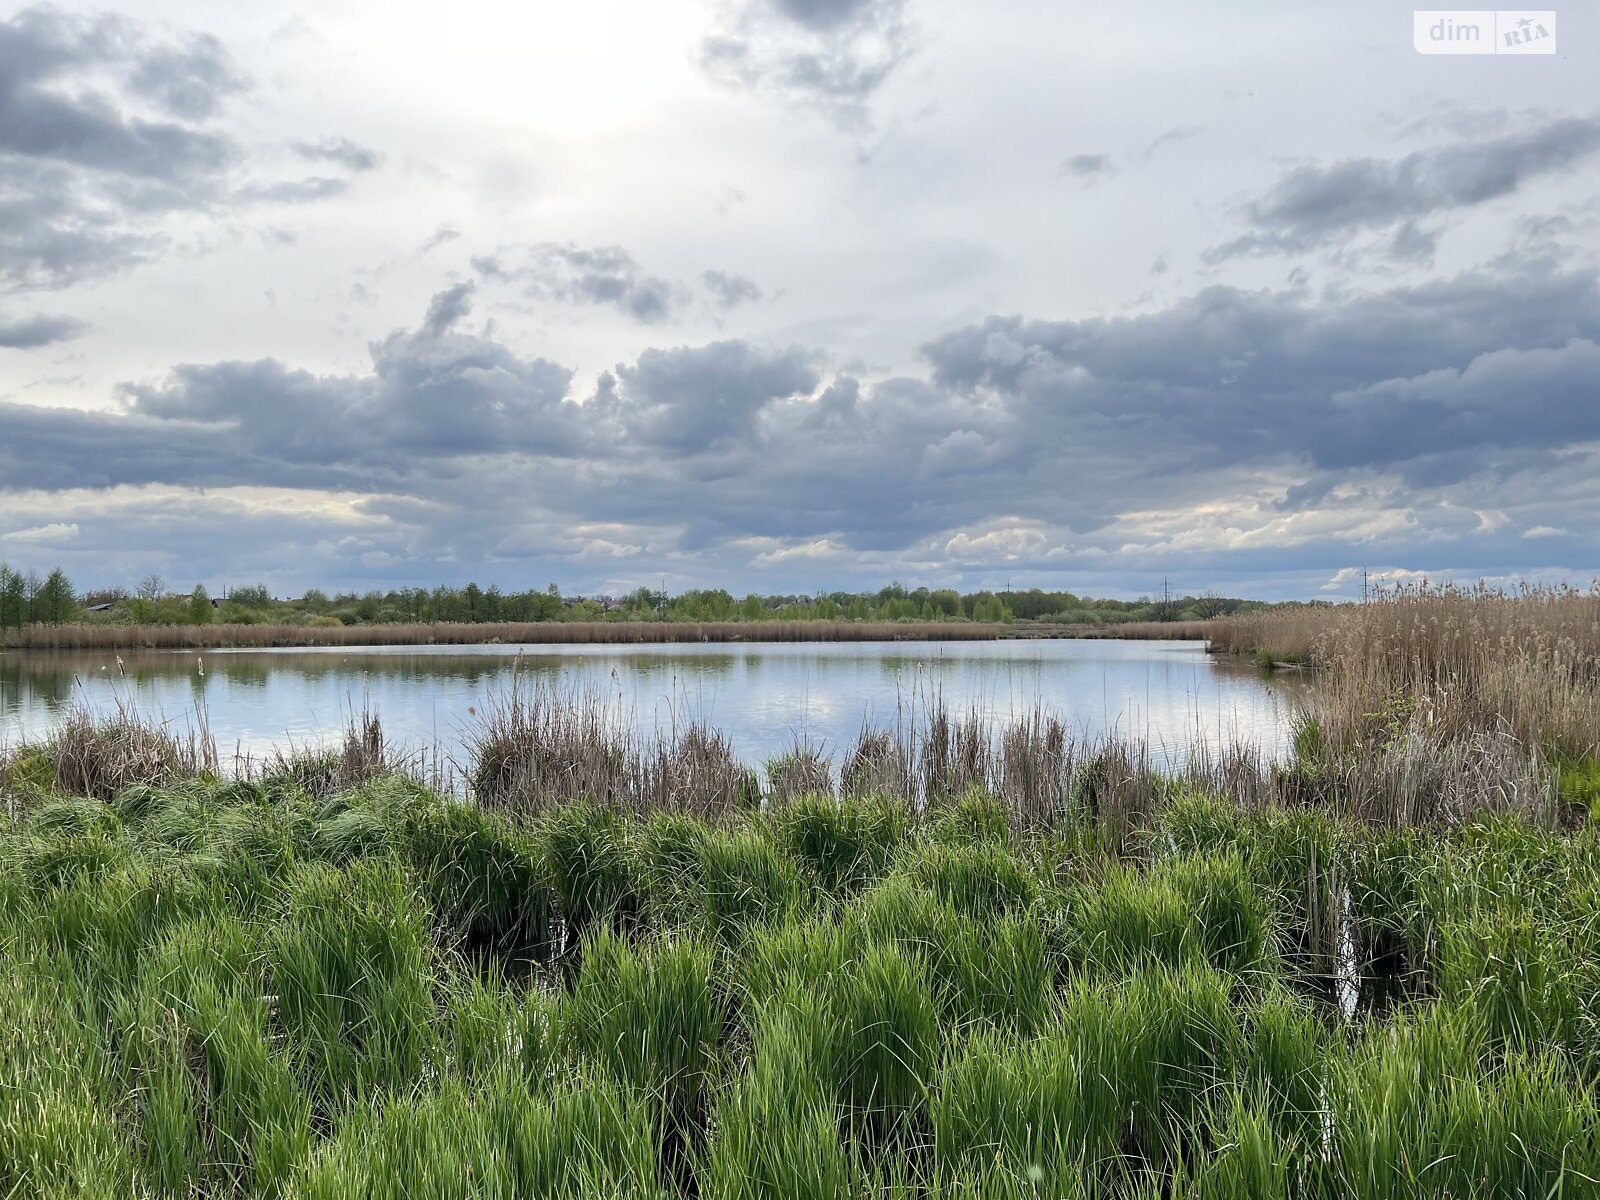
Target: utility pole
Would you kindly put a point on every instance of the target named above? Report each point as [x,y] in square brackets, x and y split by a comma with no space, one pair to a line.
[1363,585]
[1166,601]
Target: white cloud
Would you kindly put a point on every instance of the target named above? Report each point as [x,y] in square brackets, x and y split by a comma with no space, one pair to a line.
[821,548]
[1005,542]
[44,535]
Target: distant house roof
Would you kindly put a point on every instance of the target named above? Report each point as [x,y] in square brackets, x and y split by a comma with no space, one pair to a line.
[106,607]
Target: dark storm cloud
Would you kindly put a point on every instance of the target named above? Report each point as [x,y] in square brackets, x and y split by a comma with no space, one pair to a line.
[1259,375]
[833,55]
[1503,400]
[693,398]
[341,151]
[1313,206]
[103,134]
[43,121]
[51,235]
[29,333]
[58,448]
[729,290]
[603,275]
[433,395]
[1395,414]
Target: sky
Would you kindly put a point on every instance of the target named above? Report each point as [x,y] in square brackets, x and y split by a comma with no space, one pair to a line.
[795,295]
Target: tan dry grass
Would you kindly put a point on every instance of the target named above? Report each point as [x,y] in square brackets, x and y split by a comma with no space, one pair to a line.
[1461,663]
[99,755]
[536,749]
[1159,631]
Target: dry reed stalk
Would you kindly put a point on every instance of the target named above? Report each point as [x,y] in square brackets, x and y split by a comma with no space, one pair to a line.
[1427,777]
[802,771]
[1037,761]
[694,771]
[1163,631]
[98,755]
[548,750]
[880,764]
[954,757]
[1528,661]
[537,748]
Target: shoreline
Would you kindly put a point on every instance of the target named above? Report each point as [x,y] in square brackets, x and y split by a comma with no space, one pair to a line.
[273,637]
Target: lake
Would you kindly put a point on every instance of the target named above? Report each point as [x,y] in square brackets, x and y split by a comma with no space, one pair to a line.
[763,696]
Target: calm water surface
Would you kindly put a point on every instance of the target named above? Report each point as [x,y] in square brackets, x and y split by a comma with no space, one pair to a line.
[762,695]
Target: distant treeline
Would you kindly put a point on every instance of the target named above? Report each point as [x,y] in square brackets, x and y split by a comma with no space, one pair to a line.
[28,599]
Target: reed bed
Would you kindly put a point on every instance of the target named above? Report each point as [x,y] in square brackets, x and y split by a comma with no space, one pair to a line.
[238,987]
[1463,662]
[540,748]
[1164,631]
[536,633]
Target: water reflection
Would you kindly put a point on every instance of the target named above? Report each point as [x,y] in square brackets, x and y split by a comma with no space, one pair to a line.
[763,696]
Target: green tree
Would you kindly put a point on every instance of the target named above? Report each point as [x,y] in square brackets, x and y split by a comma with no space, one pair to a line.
[54,601]
[13,600]
[200,608]
[254,596]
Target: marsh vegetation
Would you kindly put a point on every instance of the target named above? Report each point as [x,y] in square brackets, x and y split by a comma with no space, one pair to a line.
[968,961]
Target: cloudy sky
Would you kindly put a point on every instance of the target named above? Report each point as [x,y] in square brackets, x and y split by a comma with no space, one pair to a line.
[794,294]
